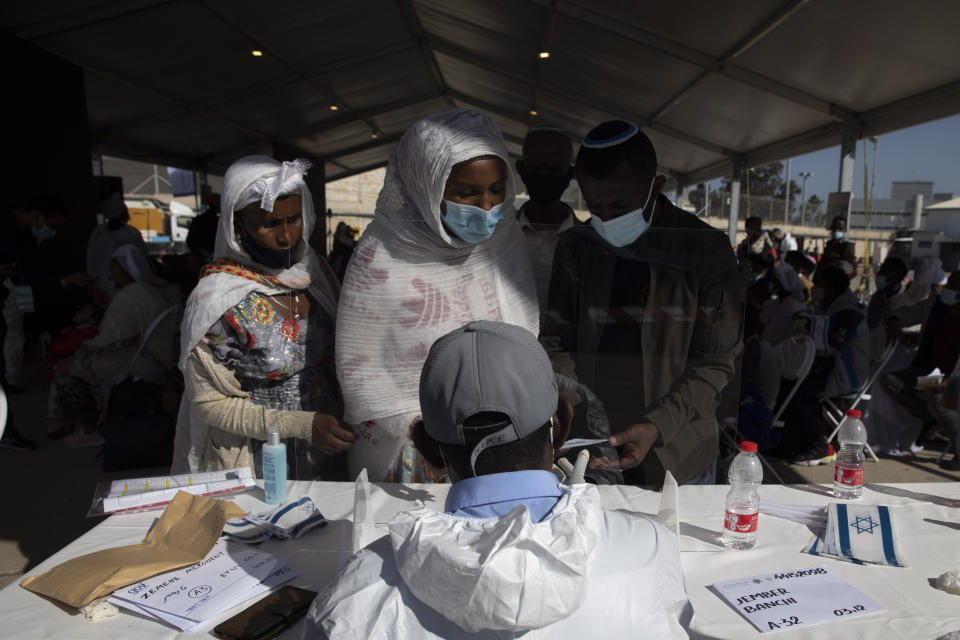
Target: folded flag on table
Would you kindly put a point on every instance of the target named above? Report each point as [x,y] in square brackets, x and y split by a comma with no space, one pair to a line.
[862,534]
[285,521]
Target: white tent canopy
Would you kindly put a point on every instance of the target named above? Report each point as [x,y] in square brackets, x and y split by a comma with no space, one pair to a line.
[713,83]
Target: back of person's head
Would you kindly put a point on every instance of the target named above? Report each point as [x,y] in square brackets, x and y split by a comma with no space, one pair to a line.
[833,278]
[801,263]
[613,144]
[894,267]
[753,223]
[488,398]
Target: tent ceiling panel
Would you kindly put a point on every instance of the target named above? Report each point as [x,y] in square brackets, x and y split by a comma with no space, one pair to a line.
[469,79]
[167,49]
[365,158]
[676,157]
[194,135]
[739,117]
[335,138]
[611,69]
[292,107]
[378,81]
[475,23]
[110,103]
[842,50]
[306,32]
[706,79]
[400,119]
[688,22]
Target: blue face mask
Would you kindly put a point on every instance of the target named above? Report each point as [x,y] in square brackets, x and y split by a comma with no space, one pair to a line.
[42,234]
[627,228]
[948,297]
[472,224]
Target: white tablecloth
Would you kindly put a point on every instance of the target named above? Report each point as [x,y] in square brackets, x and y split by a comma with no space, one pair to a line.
[926,517]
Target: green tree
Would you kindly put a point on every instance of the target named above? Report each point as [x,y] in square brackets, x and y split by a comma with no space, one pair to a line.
[814,214]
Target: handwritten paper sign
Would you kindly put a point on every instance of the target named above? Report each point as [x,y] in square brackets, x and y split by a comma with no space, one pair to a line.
[790,599]
[200,591]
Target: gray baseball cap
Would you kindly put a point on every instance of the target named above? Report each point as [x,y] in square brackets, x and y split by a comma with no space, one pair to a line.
[482,367]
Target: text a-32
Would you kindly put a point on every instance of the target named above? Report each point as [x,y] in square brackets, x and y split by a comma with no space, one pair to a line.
[784,622]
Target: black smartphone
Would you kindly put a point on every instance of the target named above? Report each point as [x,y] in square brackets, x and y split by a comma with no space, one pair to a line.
[269,617]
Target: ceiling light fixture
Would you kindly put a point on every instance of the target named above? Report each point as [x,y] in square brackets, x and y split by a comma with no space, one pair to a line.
[256,53]
[334,107]
[533,112]
[544,54]
[375,134]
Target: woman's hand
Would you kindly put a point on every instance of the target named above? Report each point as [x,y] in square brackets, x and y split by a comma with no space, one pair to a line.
[329,435]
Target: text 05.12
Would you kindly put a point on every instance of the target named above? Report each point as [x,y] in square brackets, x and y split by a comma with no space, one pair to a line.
[845,612]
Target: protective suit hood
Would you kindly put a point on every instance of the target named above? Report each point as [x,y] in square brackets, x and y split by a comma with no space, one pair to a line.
[501,573]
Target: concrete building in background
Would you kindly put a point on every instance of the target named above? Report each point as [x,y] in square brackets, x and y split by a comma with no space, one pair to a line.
[897,211]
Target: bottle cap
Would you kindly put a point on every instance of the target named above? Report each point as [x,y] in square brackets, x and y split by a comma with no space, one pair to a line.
[749,447]
[273,434]
[854,413]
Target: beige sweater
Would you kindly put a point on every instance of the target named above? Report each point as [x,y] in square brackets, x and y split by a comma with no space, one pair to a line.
[234,419]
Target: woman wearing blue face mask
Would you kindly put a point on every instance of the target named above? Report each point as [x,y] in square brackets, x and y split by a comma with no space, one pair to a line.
[439,253]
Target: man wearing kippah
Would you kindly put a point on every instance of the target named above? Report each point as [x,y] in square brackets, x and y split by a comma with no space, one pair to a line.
[648,303]
[515,553]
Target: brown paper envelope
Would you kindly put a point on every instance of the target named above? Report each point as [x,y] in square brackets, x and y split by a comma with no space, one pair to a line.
[184,535]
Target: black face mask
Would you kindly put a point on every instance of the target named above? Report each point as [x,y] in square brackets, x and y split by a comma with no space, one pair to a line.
[273,258]
[544,188]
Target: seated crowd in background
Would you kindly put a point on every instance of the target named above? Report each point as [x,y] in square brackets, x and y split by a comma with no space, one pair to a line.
[792,294]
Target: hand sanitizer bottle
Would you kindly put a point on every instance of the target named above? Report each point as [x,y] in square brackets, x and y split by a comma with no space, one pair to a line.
[274,466]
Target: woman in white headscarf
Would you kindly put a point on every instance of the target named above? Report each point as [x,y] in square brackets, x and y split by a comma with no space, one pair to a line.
[439,253]
[81,387]
[257,334]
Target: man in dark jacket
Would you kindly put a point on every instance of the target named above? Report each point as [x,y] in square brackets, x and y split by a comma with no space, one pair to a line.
[648,303]
[838,249]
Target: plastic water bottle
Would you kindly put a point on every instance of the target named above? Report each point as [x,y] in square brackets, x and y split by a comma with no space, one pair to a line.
[274,467]
[743,499]
[848,474]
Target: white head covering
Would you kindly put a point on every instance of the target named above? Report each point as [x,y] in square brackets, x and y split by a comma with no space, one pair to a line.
[134,262]
[929,271]
[410,282]
[249,179]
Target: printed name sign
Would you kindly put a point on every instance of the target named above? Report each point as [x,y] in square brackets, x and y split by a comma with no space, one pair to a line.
[790,599]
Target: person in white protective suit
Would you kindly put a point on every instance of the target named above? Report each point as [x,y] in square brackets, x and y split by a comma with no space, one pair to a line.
[515,554]
[443,249]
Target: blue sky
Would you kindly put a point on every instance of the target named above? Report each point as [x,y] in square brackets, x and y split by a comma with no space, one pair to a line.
[930,151]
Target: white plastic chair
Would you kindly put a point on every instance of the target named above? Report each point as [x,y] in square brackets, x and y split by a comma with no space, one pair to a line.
[833,412]
[3,411]
[795,356]
[123,373]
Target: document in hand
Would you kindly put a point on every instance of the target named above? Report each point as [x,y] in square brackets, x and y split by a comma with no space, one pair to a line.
[862,534]
[188,597]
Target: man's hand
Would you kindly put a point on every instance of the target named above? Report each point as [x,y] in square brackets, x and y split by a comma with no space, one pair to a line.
[635,441]
[9,270]
[329,436]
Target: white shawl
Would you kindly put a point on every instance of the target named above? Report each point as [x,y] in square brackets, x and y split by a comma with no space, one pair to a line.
[217,293]
[410,282]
